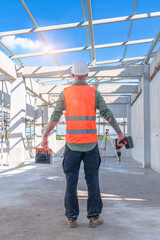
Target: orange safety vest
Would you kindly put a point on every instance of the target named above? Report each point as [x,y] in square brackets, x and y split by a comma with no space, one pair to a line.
[80,114]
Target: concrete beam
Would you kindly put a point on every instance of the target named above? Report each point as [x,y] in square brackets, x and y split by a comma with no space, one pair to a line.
[65,71]
[109,100]
[5,78]
[7,67]
[101,88]
[52,89]
[117,89]
[120,60]
[116,100]
[33,88]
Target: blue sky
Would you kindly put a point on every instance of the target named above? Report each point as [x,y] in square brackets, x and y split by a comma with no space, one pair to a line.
[13,17]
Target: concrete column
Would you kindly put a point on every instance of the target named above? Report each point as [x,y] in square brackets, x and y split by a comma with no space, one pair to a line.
[17,122]
[103,126]
[129,123]
[146,119]
[129,117]
[44,116]
[52,143]
[44,111]
[38,120]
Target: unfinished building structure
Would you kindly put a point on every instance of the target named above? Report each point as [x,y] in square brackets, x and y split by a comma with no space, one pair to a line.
[130,87]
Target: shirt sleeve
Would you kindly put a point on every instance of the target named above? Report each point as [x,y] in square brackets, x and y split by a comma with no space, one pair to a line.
[59,108]
[102,106]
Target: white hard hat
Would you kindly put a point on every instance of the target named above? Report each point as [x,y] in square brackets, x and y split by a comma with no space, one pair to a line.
[80,68]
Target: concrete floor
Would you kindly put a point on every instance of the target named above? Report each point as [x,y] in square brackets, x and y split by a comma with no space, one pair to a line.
[31,203]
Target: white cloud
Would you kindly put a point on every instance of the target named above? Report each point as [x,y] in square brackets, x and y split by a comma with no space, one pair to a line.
[25,43]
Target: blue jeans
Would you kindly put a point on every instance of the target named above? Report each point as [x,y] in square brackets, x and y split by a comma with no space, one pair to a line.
[71,166]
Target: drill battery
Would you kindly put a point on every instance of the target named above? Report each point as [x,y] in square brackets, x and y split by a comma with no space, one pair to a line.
[127,141]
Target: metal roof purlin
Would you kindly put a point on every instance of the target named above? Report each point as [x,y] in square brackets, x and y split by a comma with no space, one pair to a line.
[34,22]
[108,45]
[9,51]
[130,29]
[80,24]
[108,74]
[156,39]
[89,13]
[86,29]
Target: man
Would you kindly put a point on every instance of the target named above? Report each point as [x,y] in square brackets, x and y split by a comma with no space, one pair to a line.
[80,102]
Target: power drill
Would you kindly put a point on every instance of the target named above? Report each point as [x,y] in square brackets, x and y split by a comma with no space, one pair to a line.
[128,143]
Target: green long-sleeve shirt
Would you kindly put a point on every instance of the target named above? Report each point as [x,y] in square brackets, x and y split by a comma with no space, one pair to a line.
[100,104]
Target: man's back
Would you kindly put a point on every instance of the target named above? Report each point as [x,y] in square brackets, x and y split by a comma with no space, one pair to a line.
[80,114]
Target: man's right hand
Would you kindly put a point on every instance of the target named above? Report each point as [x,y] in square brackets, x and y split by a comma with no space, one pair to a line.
[44,142]
[120,138]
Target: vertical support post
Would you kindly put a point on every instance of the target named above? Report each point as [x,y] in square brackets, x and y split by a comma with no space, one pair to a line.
[129,123]
[89,13]
[38,121]
[17,122]
[2,125]
[103,126]
[146,118]
[52,143]
[45,112]
[45,117]
[129,116]
[124,127]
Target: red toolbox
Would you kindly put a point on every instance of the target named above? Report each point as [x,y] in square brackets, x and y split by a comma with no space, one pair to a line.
[43,155]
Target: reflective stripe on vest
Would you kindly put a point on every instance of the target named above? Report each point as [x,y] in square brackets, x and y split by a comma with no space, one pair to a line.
[81,131]
[80,118]
[80,114]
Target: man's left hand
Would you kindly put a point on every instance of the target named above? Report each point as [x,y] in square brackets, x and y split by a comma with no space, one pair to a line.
[44,142]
